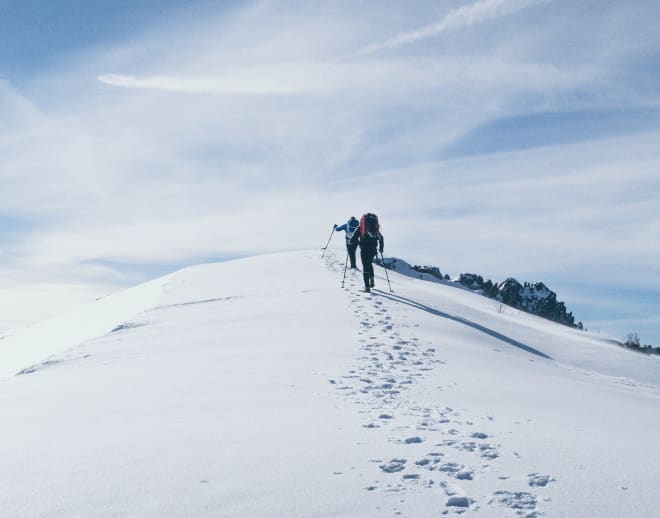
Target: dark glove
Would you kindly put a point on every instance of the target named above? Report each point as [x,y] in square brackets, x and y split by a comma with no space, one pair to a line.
[334,226]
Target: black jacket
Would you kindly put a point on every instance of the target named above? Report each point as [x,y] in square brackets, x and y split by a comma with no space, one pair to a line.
[370,242]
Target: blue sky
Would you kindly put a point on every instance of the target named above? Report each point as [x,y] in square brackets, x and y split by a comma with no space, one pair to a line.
[37,34]
[504,137]
[554,129]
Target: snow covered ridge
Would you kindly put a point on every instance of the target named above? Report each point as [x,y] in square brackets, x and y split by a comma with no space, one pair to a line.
[535,298]
[258,387]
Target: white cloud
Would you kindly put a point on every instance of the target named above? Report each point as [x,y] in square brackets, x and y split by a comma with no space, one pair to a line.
[246,82]
[388,79]
[464,16]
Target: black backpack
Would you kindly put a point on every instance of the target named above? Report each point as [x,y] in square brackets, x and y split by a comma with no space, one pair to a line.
[369,225]
[369,231]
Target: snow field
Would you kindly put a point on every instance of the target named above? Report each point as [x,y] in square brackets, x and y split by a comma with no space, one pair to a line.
[257,387]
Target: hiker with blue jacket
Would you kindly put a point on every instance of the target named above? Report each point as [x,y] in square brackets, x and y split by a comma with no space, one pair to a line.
[350,227]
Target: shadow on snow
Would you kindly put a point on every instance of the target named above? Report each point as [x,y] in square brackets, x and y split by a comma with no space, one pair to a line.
[464,321]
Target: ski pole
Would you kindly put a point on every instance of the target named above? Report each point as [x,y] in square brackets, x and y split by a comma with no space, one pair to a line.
[328,243]
[386,276]
[345,266]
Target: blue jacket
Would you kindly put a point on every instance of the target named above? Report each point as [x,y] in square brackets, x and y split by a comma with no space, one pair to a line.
[349,227]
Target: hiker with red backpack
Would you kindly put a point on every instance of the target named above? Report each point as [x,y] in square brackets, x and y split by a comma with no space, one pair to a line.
[371,241]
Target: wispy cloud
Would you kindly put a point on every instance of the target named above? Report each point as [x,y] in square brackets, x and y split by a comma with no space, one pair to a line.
[387,79]
[256,81]
[16,111]
[465,16]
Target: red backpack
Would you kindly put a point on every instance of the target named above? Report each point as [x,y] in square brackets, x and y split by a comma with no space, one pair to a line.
[369,225]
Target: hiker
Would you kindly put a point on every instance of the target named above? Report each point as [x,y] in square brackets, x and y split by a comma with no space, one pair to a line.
[370,240]
[351,239]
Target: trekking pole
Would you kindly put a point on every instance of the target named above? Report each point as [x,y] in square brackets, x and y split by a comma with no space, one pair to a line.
[328,243]
[345,266]
[386,276]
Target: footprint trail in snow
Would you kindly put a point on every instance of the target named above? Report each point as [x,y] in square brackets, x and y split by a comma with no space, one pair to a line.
[433,448]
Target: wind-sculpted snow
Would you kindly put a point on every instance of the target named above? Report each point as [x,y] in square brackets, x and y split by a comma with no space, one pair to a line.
[58,334]
[259,387]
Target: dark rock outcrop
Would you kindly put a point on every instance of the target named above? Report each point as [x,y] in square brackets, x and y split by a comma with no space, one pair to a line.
[535,298]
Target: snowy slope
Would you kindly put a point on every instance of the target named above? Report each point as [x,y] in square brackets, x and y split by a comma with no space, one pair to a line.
[258,387]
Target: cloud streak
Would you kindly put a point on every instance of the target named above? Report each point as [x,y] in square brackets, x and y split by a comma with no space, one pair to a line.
[371,80]
[242,82]
[465,16]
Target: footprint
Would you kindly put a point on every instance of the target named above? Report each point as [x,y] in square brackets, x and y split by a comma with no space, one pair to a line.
[464,474]
[536,480]
[468,446]
[458,501]
[488,451]
[518,500]
[394,466]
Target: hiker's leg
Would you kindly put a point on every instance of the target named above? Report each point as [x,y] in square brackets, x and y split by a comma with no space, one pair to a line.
[351,253]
